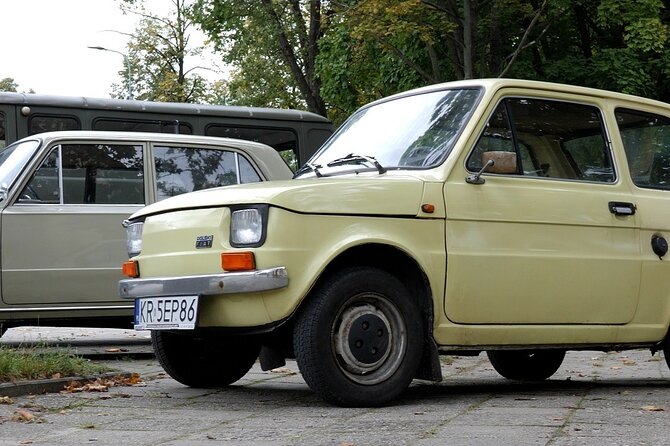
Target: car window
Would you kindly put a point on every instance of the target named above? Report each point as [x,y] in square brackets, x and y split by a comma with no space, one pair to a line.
[646,141]
[551,139]
[180,170]
[89,174]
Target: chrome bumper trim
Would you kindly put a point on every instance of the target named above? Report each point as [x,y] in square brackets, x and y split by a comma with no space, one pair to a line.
[224,283]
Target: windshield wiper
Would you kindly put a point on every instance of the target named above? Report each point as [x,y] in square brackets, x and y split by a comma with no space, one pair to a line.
[353,158]
[309,167]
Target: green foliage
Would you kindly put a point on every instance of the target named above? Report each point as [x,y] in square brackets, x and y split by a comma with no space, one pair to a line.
[344,54]
[8,84]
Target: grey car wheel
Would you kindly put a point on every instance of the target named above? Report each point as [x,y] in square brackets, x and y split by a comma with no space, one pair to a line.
[358,341]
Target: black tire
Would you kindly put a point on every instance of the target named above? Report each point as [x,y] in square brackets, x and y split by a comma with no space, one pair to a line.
[526,365]
[358,340]
[666,350]
[204,361]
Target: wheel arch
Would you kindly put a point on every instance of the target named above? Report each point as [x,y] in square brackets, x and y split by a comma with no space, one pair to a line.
[403,266]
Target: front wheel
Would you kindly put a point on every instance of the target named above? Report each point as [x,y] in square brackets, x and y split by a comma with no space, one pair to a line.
[204,361]
[358,341]
[526,365]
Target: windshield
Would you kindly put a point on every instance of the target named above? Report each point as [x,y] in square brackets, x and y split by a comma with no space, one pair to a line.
[12,159]
[409,132]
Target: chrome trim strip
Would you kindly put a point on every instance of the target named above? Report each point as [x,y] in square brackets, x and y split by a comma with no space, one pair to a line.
[70,308]
[224,283]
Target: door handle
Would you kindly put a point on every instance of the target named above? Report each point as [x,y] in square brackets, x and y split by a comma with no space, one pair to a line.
[622,208]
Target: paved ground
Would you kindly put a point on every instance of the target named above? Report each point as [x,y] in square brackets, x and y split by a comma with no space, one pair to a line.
[594,399]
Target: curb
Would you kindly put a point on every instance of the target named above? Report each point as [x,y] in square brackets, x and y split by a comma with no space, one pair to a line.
[40,386]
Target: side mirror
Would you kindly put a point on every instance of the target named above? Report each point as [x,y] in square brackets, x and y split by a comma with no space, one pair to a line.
[494,162]
[503,162]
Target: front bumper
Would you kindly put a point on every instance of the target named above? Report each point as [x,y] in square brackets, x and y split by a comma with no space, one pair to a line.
[224,283]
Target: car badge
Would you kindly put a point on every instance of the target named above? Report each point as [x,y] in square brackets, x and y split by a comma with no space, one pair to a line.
[204,241]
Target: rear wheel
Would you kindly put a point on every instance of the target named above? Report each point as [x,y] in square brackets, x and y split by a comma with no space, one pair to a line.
[204,361]
[358,341]
[526,365]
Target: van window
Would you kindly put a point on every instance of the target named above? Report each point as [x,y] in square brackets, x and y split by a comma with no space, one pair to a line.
[284,141]
[180,170]
[3,141]
[137,125]
[89,174]
[52,123]
[646,140]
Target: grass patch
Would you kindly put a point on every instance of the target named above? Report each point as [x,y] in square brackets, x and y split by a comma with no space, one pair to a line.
[28,363]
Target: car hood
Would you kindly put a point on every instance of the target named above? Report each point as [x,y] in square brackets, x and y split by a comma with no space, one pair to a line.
[357,195]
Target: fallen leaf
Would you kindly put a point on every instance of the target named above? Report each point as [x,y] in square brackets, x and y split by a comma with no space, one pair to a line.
[113,350]
[26,442]
[628,362]
[23,415]
[56,376]
[6,400]
[652,408]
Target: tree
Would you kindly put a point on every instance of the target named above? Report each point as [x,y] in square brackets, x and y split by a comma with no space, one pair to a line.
[273,45]
[8,84]
[158,51]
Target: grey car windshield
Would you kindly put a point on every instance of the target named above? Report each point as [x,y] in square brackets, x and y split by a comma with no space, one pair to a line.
[12,159]
[415,131]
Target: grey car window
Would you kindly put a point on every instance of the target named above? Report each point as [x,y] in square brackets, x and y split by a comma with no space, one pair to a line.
[181,169]
[89,174]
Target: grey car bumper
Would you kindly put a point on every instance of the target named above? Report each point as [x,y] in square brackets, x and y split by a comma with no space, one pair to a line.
[224,283]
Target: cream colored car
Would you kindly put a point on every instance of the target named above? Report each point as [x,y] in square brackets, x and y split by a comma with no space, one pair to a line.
[519,218]
[63,196]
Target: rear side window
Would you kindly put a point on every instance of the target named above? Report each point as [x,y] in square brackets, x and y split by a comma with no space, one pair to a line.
[180,170]
[546,138]
[646,140]
[88,174]
[52,123]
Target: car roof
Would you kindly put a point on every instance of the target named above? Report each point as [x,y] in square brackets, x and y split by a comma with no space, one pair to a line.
[493,85]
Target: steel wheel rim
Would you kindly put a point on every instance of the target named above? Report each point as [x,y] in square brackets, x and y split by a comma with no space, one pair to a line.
[380,314]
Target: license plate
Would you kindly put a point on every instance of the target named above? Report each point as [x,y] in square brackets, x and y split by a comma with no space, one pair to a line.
[166,313]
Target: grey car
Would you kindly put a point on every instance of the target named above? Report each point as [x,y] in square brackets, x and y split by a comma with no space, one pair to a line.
[64,196]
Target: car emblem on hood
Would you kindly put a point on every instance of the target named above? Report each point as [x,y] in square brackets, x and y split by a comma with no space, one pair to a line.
[203,241]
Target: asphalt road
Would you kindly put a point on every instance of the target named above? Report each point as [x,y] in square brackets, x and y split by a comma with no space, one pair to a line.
[594,399]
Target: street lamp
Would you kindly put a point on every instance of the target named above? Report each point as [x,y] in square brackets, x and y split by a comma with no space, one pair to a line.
[126,60]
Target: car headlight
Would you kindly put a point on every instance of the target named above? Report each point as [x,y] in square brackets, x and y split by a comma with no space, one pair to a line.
[247,226]
[133,237]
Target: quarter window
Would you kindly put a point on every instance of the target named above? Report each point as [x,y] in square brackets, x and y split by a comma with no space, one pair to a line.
[550,139]
[646,140]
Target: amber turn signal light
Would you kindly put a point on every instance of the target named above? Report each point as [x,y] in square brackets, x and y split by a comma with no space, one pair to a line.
[238,261]
[131,268]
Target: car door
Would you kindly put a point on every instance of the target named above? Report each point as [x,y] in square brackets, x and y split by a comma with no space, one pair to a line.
[646,140]
[62,239]
[549,236]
